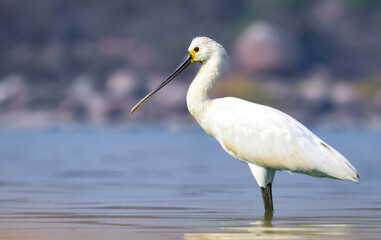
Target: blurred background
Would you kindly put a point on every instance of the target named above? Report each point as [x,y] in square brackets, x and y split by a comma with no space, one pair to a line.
[74,164]
[90,61]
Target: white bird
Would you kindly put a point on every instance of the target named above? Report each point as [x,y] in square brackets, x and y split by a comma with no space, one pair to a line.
[266,139]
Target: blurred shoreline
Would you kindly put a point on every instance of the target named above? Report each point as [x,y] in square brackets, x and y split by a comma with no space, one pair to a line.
[88,62]
[167,126]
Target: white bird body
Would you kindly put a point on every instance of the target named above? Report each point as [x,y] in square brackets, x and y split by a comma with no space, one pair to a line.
[258,134]
[268,138]
[262,137]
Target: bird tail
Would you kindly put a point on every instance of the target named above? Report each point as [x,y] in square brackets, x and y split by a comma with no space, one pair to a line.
[341,168]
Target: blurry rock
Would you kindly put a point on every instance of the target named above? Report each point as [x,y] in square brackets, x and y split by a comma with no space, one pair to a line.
[375,112]
[33,118]
[328,11]
[263,48]
[344,94]
[314,98]
[278,90]
[377,100]
[316,87]
[83,89]
[13,92]
[91,103]
[122,83]
[97,110]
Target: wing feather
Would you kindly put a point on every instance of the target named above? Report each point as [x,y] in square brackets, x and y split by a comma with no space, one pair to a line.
[270,138]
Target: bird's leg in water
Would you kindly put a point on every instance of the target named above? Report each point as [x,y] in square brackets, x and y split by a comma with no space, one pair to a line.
[267,199]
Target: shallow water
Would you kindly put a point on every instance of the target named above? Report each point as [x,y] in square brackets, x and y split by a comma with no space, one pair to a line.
[121,183]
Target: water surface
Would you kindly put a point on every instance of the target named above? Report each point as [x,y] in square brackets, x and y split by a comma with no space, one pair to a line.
[122,183]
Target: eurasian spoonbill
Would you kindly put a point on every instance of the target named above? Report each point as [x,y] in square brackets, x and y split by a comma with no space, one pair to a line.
[266,139]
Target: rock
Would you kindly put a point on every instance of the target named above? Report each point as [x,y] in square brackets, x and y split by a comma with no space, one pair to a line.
[14,93]
[316,87]
[344,94]
[82,89]
[122,83]
[87,102]
[263,48]
[377,100]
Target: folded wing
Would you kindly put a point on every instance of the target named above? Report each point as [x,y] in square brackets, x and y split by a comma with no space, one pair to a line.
[269,138]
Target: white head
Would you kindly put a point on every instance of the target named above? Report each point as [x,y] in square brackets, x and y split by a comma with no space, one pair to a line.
[200,50]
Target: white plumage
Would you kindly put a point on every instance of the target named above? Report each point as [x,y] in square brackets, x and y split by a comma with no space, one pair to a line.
[271,139]
[266,139]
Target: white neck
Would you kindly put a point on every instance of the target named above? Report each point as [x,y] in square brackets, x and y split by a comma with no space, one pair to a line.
[198,94]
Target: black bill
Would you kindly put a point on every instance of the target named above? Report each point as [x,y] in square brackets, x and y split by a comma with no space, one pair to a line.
[186,62]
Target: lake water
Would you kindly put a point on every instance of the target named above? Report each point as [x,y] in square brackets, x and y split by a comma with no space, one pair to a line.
[159,183]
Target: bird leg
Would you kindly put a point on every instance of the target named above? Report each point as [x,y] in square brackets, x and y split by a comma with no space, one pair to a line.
[267,198]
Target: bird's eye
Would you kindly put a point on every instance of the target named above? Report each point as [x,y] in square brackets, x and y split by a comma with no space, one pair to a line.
[196,49]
